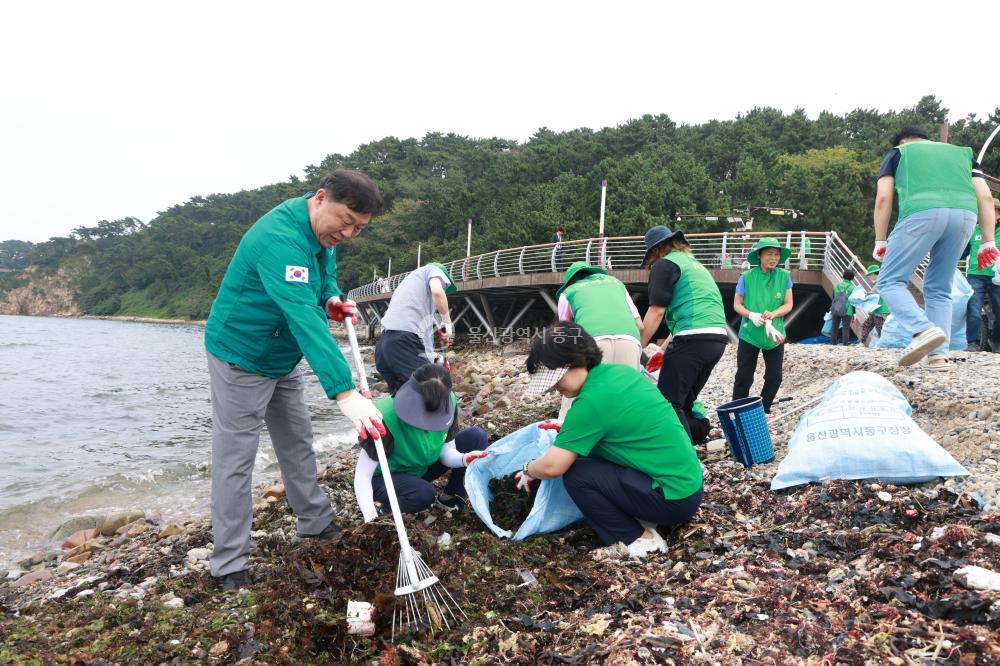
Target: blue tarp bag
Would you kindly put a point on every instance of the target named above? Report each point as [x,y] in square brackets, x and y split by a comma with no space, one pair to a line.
[862,300]
[553,509]
[862,430]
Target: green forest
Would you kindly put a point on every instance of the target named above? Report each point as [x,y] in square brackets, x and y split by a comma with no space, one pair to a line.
[516,193]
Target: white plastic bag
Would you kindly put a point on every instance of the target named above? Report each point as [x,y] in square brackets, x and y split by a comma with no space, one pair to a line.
[862,430]
[894,337]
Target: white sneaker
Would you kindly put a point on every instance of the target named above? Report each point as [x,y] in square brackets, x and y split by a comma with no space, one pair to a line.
[921,344]
[640,548]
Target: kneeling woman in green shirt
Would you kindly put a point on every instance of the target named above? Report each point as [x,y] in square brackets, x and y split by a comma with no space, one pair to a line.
[421,444]
[624,457]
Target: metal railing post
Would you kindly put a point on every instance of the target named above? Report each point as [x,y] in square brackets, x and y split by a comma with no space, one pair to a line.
[479,261]
[496,264]
[520,262]
[587,255]
[788,244]
[722,257]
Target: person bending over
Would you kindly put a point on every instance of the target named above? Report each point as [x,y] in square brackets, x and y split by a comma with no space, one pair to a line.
[623,455]
[422,444]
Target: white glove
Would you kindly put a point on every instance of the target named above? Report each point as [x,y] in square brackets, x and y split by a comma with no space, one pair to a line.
[449,332]
[988,255]
[878,254]
[757,318]
[772,333]
[452,457]
[363,414]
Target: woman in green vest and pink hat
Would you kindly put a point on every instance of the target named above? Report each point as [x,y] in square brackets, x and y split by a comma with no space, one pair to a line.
[601,305]
[683,292]
[763,298]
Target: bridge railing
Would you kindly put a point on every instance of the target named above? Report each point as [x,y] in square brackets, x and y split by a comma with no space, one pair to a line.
[715,250]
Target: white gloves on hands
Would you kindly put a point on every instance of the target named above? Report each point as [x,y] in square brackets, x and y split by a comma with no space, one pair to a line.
[878,254]
[757,318]
[363,414]
[773,333]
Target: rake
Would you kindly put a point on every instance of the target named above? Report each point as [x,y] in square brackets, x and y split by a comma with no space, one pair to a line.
[422,602]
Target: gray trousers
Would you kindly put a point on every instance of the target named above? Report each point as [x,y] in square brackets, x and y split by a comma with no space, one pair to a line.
[241,403]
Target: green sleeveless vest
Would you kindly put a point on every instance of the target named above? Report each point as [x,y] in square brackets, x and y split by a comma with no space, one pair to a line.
[598,303]
[763,291]
[415,449]
[934,175]
[696,302]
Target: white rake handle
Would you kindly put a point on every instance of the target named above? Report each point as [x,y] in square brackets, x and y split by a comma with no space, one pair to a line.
[390,489]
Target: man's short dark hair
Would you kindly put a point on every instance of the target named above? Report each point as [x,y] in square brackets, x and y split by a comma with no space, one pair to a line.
[908,132]
[354,189]
[562,344]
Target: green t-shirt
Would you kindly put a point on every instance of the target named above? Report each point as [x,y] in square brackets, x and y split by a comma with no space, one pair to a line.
[845,286]
[620,416]
[415,450]
[974,245]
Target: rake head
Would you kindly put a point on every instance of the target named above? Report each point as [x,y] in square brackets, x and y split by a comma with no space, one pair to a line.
[422,602]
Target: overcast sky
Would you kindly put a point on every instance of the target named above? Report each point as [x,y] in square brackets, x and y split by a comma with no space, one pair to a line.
[110,109]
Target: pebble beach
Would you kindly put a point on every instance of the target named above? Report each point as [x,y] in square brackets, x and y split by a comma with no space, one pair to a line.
[845,571]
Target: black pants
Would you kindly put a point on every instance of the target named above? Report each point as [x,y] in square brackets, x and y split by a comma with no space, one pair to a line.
[687,365]
[416,493]
[842,324]
[874,321]
[397,355]
[746,365]
[611,498]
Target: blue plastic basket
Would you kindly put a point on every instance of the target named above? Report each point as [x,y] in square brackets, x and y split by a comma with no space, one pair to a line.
[745,427]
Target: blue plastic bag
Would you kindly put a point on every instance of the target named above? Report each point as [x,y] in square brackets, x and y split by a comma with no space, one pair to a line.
[827,329]
[894,337]
[553,508]
[862,430]
[862,300]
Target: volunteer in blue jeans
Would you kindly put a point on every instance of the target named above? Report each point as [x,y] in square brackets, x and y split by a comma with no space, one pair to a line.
[622,453]
[985,284]
[940,189]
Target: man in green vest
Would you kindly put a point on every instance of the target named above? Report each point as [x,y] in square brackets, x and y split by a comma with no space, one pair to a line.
[683,292]
[763,298]
[271,310]
[985,284]
[601,305]
[941,189]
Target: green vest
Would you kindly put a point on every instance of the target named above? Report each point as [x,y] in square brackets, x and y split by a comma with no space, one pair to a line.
[847,287]
[763,291]
[415,449]
[974,244]
[599,306]
[882,308]
[696,302]
[934,175]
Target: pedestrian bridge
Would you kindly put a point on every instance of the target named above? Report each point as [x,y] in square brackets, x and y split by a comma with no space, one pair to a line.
[504,292]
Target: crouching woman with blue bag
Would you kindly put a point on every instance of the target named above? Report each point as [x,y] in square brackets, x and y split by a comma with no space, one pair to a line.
[624,457]
[422,444]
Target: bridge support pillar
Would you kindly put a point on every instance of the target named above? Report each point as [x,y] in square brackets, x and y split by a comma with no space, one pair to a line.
[548,301]
[482,319]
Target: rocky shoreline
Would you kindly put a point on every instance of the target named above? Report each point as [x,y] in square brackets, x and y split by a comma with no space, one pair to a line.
[848,572]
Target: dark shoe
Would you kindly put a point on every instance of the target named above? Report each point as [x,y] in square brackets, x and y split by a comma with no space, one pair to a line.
[455,503]
[234,581]
[973,347]
[331,532]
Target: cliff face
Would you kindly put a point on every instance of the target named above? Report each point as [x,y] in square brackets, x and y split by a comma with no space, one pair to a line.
[46,293]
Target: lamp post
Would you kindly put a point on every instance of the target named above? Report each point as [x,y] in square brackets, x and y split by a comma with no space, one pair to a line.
[600,231]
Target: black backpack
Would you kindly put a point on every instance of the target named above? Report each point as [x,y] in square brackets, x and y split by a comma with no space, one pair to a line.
[839,306]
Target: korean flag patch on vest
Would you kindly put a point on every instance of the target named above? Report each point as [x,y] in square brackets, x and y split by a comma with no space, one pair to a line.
[296,274]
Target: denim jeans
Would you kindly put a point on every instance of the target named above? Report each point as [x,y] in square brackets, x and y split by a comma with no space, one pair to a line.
[944,232]
[982,286]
